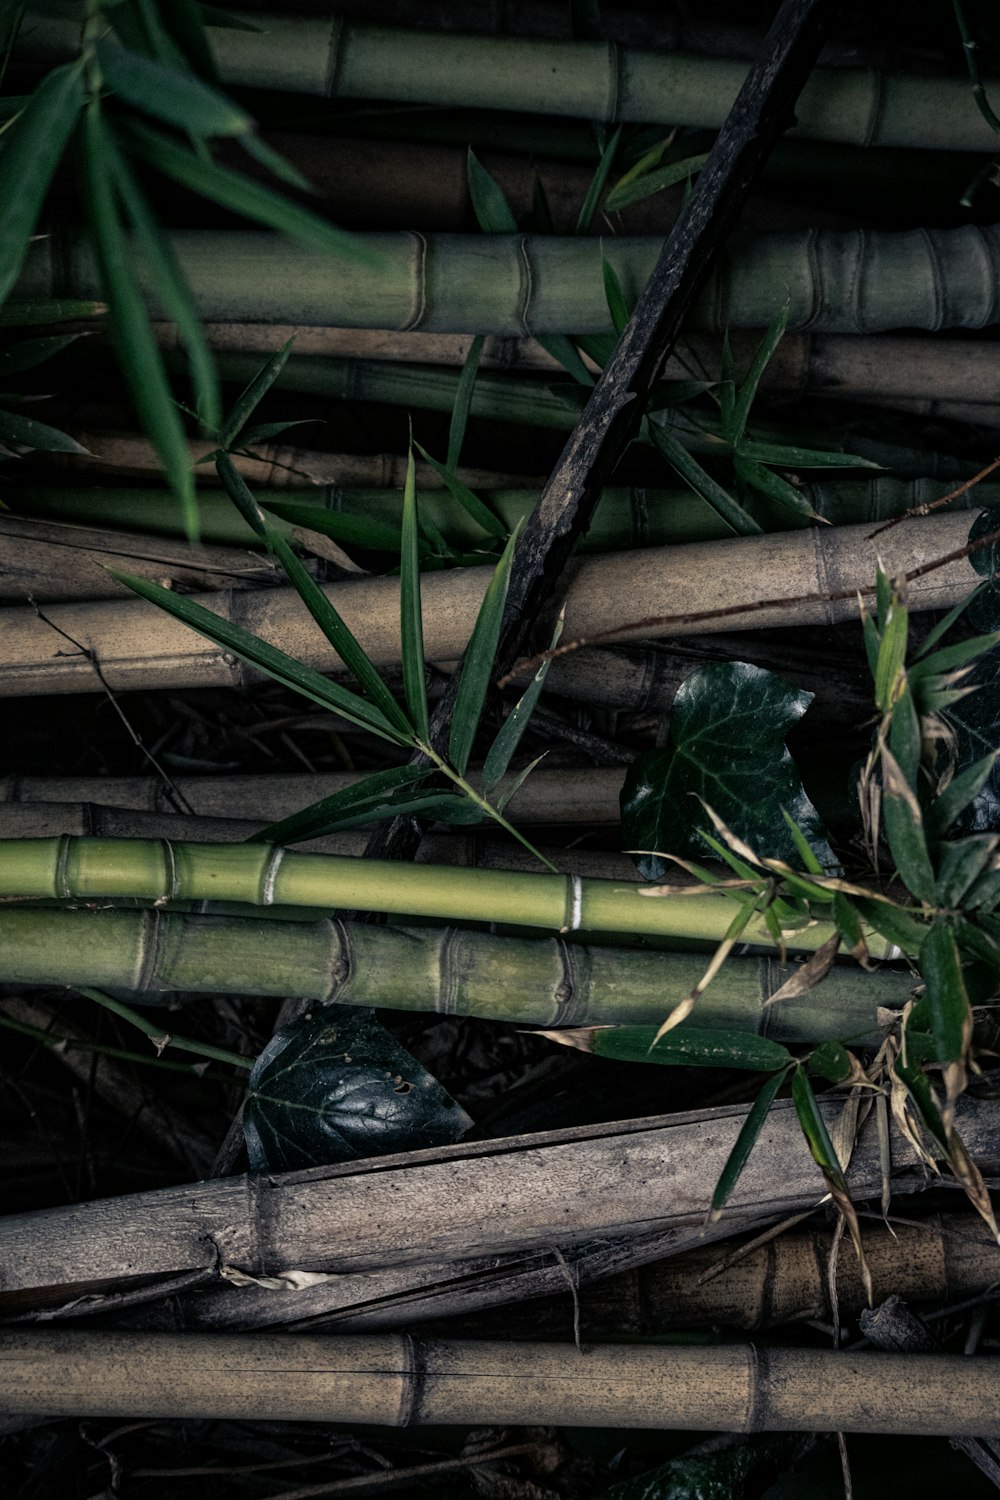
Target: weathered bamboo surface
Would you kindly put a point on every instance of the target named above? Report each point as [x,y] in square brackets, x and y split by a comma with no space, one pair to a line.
[659,591]
[526,1192]
[452,971]
[395,1380]
[832,281]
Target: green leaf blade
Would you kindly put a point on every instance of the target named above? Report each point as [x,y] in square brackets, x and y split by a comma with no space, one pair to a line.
[480,654]
[31,152]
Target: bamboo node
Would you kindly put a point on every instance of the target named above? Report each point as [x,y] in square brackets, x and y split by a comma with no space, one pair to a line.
[270,876]
[574,904]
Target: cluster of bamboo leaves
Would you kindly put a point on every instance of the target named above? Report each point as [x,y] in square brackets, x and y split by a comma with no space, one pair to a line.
[141,101]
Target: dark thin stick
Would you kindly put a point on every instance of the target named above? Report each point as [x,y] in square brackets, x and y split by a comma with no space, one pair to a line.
[931,505]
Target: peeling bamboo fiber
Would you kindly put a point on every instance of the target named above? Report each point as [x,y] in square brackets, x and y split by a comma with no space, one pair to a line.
[656,592]
[394,1380]
[847,281]
[594,80]
[533,981]
[560,1187]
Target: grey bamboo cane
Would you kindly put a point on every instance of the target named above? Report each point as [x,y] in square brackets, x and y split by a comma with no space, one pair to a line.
[522,1193]
[849,281]
[595,80]
[396,1381]
[537,982]
[675,591]
[633,516]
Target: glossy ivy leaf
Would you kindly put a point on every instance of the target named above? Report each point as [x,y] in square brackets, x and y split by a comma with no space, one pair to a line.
[976,724]
[336,1086]
[986,560]
[704,1476]
[726,747]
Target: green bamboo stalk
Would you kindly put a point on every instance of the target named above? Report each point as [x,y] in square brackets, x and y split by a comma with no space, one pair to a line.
[625,517]
[850,281]
[453,971]
[595,80]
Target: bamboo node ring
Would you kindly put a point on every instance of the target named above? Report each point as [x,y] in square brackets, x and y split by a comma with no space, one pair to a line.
[574,904]
[270,876]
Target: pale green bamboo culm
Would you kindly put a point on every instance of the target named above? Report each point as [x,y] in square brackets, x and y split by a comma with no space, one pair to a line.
[624,517]
[453,971]
[594,80]
[161,870]
[847,281]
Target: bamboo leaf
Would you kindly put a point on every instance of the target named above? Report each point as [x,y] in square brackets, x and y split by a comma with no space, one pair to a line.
[951,1014]
[30,353]
[31,152]
[263,432]
[242,195]
[253,394]
[24,313]
[272,161]
[411,617]
[504,747]
[564,350]
[588,207]
[748,389]
[186,21]
[895,923]
[614,294]
[241,495]
[463,402]
[957,795]
[383,795]
[176,98]
[477,669]
[493,212]
[341,526]
[25,432]
[171,289]
[469,501]
[774,487]
[137,350]
[790,456]
[686,1046]
[904,827]
[691,471]
[745,1142]
[259,653]
[633,187]
[832,1061]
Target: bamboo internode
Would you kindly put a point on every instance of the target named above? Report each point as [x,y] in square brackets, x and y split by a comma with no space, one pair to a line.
[675,591]
[847,281]
[395,1380]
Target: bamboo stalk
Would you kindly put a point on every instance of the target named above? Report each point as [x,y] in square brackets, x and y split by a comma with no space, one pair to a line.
[850,281]
[447,970]
[396,1381]
[563,1187]
[686,590]
[595,80]
[625,516]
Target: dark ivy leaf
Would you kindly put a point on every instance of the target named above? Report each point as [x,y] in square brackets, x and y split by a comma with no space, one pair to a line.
[975,720]
[335,1086]
[727,747]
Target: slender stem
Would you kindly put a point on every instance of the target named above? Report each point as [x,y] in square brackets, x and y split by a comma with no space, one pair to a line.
[160,1039]
[53,1039]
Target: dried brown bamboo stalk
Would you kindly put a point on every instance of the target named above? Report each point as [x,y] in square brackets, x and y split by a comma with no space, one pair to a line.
[396,1381]
[276,465]
[529,1192]
[659,591]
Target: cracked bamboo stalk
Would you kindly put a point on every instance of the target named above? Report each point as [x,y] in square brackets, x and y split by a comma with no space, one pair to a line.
[651,1177]
[675,591]
[848,281]
[593,79]
[535,982]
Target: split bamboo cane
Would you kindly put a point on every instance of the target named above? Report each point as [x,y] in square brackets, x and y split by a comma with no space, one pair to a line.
[589,79]
[848,281]
[451,971]
[397,1381]
[555,1188]
[678,591]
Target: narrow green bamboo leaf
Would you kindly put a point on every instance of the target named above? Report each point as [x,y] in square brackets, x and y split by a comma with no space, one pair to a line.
[647,161]
[343,641]
[614,295]
[691,471]
[541,221]
[244,196]
[242,496]
[891,654]
[137,349]
[171,289]
[689,1047]
[883,598]
[761,359]
[598,182]
[384,794]
[789,456]
[31,152]
[463,401]
[727,384]
[27,313]
[848,922]
[272,161]
[957,795]
[263,432]
[253,394]
[276,663]
[872,640]
[32,352]
[477,668]
[904,736]
[745,1142]
[814,1129]
[904,827]
[598,346]
[951,658]
[632,188]
[470,502]
[410,614]
[186,21]
[350,530]
[960,863]
[493,213]
[922,1096]
[941,971]
[774,487]
[563,349]
[26,432]
[940,630]
[802,845]
[510,791]
[504,747]
[896,924]
[178,99]
[832,1061]
[139,25]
